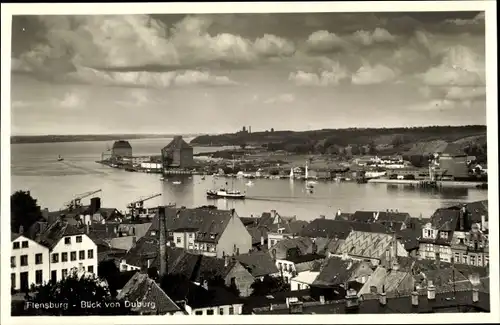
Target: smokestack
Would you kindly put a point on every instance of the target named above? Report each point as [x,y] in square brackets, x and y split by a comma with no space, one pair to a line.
[483,223]
[163,241]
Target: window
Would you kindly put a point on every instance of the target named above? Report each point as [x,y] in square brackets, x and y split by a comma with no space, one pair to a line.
[25,244]
[486,260]
[464,259]
[473,260]
[64,257]
[64,273]
[73,256]
[13,280]
[81,255]
[231,310]
[178,240]
[90,254]
[38,276]
[190,235]
[198,312]
[78,239]
[38,258]
[210,312]
[16,245]
[153,233]
[457,257]
[479,260]
[67,240]
[55,257]
[298,286]
[90,268]
[221,311]
[12,261]
[24,260]
[53,276]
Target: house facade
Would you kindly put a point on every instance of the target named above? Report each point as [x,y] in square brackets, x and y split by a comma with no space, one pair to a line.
[29,262]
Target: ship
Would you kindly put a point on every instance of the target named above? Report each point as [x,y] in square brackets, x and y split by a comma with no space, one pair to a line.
[224,193]
[60,158]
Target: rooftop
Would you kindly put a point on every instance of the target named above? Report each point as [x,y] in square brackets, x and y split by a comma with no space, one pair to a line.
[329,228]
[258,263]
[56,231]
[336,271]
[177,143]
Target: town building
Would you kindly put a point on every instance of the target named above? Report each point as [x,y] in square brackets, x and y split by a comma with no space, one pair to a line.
[121,149]
[29,262]
[280,231]
[70,247]
[371,246]
[459,233]
[177,154]
[147,297]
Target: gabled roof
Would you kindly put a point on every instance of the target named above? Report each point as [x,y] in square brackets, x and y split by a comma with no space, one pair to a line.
[329,228]
[122,144]
[141,288]
[409,238]
[56,231]
[293,227]
[14,236]
[445,219]
[366,244]
[210,223]
[336,271]
[257,233]
[257,263]
[177,143]
[303,244]
[198,297]
[475,209]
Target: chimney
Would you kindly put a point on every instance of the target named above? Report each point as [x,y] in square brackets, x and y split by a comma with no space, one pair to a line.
[271,306]
[205,284]
[382,296]
[322,299]
[274,254]
[339,213]
[352,300]
[226,261]
[149,263]
[431,291]
[483,223]
[87,228]
[462,218]
[163,241]
[261,240]
[475,294]
[21,230]
[414,297]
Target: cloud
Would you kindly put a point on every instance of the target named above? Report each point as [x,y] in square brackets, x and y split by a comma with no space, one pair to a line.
[324,41]
[283,98]
[331,77]
[466,93]
[367,38]
[71,100]
[368,74]
[460,66]
[271,45]
[478,19]
[434,105]
[197,77]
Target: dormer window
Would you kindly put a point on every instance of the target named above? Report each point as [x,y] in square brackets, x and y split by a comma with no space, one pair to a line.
[153,233]
[212,236]
[444,235]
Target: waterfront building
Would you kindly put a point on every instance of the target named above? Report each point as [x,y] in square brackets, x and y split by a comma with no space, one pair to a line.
[121,149]
[453,162]
[177,154]
[29,262]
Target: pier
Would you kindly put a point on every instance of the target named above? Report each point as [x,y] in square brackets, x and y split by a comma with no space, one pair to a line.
[427,183]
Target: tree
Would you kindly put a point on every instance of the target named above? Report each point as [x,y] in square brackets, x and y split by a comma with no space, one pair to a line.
[268,285]
[75,296]
[24,211]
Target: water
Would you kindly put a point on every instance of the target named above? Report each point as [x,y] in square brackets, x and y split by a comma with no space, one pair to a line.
[52,183]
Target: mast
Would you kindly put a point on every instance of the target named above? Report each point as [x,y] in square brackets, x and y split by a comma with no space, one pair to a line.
[307,170]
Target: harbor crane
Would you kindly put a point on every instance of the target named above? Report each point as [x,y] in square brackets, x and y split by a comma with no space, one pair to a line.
[139,204]
[77,201]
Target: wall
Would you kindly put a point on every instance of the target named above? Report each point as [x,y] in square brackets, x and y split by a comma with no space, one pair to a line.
[242,278]
[32,249]
[184,239]
[122,152]
[234,234]
[186,157]
[286,268]
[296,285]
[61,247]
[362,273]
[273,239]
[219,310]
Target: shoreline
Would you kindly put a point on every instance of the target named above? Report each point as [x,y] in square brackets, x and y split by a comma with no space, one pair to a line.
[417,182]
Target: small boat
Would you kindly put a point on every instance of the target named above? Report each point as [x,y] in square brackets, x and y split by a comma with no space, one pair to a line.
[60,158]
[176,182]
[202,178]
[162,178]
[249,183]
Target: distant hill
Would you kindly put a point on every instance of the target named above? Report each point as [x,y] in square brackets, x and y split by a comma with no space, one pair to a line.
[405,141]
[88,137]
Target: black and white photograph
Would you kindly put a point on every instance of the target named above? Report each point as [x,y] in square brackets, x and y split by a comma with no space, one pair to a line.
[162,161]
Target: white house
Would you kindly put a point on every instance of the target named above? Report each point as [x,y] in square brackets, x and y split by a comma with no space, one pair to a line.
[29,262]
[303,280]
[70,247]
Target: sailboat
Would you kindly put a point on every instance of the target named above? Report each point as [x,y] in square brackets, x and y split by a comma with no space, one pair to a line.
[291,173]
[60,158]
[224,193]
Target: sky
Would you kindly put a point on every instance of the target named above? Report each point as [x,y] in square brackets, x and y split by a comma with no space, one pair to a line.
[217,73]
